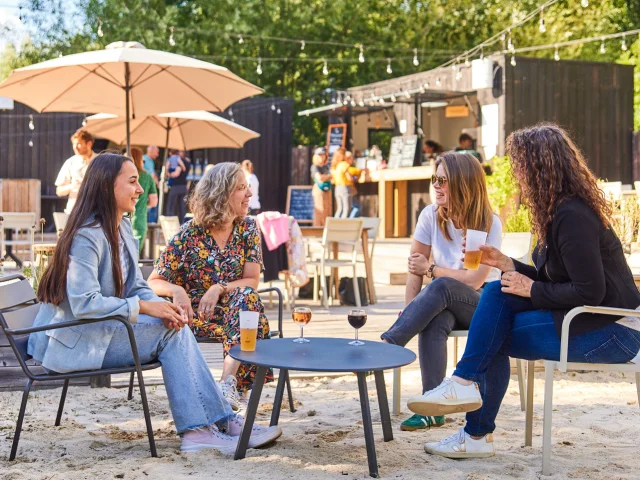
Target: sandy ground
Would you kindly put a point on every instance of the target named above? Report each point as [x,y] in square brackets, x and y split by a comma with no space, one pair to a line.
[596,420]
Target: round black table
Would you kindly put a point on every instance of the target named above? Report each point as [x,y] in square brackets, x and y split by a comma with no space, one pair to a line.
[324,355]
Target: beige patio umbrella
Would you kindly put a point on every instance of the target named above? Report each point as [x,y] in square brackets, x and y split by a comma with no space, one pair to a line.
[177,130]
[126,79]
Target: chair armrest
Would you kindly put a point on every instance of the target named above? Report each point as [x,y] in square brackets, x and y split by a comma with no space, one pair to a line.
[16,276]
[280,302]
[570,316]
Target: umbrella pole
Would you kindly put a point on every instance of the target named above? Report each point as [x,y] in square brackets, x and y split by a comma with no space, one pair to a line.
[127,88]
[163,170]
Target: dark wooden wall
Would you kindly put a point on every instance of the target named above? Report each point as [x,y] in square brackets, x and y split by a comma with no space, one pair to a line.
[593,101]
[271,153]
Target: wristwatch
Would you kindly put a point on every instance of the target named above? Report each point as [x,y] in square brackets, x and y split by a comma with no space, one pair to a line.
[430,271]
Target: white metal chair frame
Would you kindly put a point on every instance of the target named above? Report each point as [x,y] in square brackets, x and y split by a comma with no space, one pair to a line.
[17,222]
[563,365]
[346,231]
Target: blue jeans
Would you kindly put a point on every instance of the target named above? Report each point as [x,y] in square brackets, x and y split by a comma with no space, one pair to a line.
[443,305]
[194,397]
[506,325]
[152,214]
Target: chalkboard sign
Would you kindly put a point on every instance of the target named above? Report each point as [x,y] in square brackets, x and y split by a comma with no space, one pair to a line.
[300,203]
[336,137]
[403,151]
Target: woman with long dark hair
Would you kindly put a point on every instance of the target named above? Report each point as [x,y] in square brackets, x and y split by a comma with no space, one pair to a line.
[94,275]
[578,261]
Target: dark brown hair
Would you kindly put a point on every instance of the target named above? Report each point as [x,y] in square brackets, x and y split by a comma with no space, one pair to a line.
[550,170]
[136,156]
[95,198]
[469,206]
[83,135]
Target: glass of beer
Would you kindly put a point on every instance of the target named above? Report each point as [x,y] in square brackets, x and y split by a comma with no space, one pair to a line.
[248,331]
[357,319]
[472,252]
[301,316]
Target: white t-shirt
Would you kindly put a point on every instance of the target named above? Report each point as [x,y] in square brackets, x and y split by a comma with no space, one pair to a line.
[254,185]
[73,170]
[448,253]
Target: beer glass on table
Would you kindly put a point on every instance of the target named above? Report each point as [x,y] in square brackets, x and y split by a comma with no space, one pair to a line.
[357,319]
[301,316]
[472,252]
[248,331]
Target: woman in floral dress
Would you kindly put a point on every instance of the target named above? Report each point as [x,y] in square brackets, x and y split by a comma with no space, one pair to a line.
[212,267]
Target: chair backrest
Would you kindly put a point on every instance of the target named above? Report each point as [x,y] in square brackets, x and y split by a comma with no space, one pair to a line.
[372,225]
[170,226]
[517,245]
[342,230]
[17,310]
[19,221]
[60,220]
[612,190]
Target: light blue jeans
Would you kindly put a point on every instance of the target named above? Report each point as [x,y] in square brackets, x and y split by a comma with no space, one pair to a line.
[194,397]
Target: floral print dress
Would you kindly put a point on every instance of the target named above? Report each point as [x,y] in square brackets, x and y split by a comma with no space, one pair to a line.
[194,261]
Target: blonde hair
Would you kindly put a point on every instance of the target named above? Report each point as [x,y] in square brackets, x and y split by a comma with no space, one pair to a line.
[318,159]
[247,166]
[338,156]
[469,206]
[210,200]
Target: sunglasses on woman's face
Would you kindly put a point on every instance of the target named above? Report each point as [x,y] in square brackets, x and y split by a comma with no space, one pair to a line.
[439,180]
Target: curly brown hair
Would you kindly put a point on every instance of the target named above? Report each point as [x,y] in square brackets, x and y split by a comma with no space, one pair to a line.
[550,170]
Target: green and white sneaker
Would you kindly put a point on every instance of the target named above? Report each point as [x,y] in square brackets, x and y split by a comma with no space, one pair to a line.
[461,445]
[420,422]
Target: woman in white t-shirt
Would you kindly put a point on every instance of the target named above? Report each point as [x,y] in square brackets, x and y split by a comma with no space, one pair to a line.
[449,301]
[254,185]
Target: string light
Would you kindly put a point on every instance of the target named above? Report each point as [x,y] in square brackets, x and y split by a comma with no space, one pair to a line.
[32,127]
[302,44]
[510,46]
[513,60]
[603,48]
[421,89]
[415,57]
[31,143]
[438,83]
[312,102]
[273,107]
[466,61]
[259,67]
[389,70]
[278,111]
[361,103]
[556,55]
[542,27]
[584,3]
[84,121]
[624,44]
[100,33]
[393,98]
[407,95]
[240,40]
[426,84]
[325,70]
[172,41]
[361,55]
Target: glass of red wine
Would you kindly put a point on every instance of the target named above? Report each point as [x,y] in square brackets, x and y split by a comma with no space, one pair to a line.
[357,319]
[301,316]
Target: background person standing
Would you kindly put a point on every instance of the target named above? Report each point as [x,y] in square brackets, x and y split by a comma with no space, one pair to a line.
[149,163]
[72,172]
[321,191]
[178,167]
[148,198]
[254,185]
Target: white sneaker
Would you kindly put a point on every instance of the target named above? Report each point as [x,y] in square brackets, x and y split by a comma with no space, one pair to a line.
[461,445]
[260,436]
[448,397]
[208,437]
[230,392]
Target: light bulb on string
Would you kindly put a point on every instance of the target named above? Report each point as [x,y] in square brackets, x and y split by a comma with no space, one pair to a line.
[273,107]
[381,100]
[422,90]
[458,74]
[556,55]
[466,61]
[322,101]
[603,48]
[32,126]
[84,121]
[259,67]
[513,60]
[231,113]
[312,101]
[584,3]
[542,27]
[172,41]
[407,95]
[240,40]
[416,62]
[325,69]
[624,44]
[510,47]
[278,111]
[361,54]
[393,98]
[353,103]
[426,84]
[438,83]
[361,103]
[389,70]
[100,33]
[302,44]
[31,142]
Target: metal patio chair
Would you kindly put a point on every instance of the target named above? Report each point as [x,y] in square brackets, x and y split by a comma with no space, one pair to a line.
[18,310]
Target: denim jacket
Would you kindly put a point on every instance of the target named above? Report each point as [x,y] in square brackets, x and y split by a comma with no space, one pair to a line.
[90,295]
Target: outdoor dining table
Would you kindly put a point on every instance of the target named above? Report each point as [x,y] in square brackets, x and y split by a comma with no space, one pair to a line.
[317,232]
[324,355]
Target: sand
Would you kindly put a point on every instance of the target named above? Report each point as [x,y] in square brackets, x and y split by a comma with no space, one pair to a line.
[102,436]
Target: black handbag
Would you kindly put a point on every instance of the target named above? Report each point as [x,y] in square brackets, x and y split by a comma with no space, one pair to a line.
[347,295]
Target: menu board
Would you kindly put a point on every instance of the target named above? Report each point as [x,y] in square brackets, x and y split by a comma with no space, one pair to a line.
[300,203]
[336,137]
[403,151]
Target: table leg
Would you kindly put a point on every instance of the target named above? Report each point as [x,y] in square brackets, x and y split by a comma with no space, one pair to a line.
[335,271]
[368,268]
[277,401]
[385,417]
[367,425]
[252,408]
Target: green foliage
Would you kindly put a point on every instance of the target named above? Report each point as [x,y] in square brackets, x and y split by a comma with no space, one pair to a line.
[501,185]
[519,221]
[33,273]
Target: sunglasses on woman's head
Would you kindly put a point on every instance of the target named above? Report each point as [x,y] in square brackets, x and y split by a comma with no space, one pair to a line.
[440,180]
